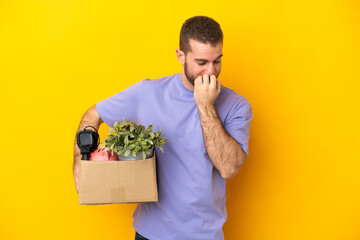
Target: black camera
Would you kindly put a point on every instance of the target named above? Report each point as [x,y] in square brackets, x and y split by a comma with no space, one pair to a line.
[88,141]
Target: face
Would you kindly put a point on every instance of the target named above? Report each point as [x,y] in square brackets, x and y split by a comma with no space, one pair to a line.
[203,59]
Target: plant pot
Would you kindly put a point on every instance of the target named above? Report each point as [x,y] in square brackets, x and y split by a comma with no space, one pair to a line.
[139,156]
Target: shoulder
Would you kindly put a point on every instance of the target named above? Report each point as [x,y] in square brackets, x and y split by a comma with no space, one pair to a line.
[232,97]
[158,81]
[238,107]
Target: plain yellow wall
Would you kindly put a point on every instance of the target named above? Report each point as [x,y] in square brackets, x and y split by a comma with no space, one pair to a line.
[297,63]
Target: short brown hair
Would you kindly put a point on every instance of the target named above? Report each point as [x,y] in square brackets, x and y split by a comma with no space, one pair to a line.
[201,28]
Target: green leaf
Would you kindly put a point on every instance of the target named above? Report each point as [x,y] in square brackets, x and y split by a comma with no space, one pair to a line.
[111,137]
[161,149]
[133,153]
[144,155]
[123,123]
[127,153]
[132,146]
[149,141]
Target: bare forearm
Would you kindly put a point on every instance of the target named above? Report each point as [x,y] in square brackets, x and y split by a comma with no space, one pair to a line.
[224,152]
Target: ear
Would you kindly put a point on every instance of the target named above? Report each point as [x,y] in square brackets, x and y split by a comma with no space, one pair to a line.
[180,56]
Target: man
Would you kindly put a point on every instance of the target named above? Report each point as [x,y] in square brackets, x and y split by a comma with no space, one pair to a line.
[207,128]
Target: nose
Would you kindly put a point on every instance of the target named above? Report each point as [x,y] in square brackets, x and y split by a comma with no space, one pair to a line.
[210,70]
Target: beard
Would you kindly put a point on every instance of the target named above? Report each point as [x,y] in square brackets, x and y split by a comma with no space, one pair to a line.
[190,77]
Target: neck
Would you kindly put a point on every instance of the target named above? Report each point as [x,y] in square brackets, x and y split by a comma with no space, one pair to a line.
[186,83]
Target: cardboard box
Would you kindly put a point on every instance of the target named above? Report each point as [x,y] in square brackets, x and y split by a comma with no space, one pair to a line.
[127,181]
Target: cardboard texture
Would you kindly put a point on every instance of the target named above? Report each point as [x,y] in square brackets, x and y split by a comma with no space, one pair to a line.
[109,182]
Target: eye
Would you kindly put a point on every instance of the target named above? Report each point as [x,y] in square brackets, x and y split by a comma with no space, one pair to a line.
[217,62]
[201,64]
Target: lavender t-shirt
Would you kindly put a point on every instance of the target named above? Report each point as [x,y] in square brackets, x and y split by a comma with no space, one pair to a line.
[191,201]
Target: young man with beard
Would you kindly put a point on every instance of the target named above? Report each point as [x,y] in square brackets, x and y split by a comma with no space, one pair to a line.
[207,127]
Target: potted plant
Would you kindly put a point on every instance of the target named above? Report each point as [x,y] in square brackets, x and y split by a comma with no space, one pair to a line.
[131,141]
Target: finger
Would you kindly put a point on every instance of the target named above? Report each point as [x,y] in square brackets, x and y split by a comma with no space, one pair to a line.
[206,79]
[198,81]
[77,185]
[213,81]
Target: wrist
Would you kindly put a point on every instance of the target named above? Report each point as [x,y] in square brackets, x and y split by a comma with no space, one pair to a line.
[206,106]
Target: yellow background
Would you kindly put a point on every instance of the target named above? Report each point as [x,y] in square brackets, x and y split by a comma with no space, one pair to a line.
[297,63]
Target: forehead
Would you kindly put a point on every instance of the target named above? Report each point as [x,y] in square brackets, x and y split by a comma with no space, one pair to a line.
[204,50]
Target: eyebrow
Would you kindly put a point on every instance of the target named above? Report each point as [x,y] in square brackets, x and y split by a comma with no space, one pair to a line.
[205,60]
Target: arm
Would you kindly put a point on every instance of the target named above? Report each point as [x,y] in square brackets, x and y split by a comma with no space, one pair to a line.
[224,151]
[90,117]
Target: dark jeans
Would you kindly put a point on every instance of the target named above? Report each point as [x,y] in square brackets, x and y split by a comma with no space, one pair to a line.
[139,237]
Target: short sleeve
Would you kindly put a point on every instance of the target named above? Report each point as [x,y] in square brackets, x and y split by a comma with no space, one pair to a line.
[237,124]
[121,105]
